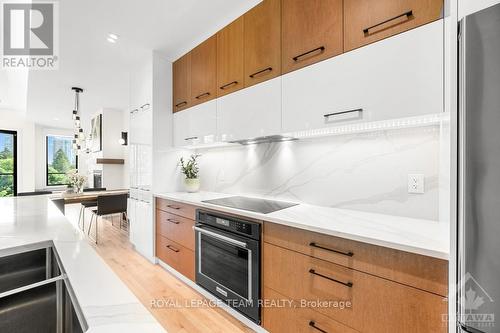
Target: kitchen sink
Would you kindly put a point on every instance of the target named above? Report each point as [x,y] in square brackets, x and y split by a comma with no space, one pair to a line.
[35,294]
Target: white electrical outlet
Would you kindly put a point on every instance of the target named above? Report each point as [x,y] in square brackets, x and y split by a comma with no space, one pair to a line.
[416,183]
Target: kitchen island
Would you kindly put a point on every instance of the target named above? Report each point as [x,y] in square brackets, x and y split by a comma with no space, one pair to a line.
[107,305]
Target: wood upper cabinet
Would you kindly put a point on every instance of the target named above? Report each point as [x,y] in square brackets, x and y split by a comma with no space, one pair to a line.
[367,21]
[204,71]
[182,83]
[230,58]
[262,42]
[311,31]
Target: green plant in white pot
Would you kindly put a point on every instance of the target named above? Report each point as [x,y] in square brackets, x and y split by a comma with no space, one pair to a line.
[190,170]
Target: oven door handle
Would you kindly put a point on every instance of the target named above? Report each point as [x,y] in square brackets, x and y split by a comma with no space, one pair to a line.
[221,237]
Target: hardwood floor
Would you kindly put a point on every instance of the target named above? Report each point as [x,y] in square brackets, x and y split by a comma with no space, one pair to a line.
[151,283]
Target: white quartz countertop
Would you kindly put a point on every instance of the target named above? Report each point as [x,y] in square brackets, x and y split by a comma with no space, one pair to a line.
[425,237]
[107,304]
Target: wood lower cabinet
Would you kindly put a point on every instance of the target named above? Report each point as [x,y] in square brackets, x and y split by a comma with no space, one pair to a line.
[367,21]
[311,31]
[175,255]
[230,58]
[175,227]
[370,304]
[262,29]
[426,273]
[181,69]
[204,71]
[176,208]
[175,235]
[282,313]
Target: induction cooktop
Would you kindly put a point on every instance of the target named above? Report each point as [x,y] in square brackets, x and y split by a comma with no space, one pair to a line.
[262,206]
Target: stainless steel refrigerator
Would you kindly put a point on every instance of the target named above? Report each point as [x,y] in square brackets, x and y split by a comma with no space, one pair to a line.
[479,173]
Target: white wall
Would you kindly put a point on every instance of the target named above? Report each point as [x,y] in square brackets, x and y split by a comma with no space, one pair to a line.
[15,121]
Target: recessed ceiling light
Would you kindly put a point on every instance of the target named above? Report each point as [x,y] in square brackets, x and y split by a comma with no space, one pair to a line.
[112,38]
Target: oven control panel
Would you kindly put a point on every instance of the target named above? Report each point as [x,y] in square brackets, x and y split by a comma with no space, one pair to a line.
[247,228]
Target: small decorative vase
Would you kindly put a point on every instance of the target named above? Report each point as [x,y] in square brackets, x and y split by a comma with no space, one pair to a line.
[192,184]
[78,189]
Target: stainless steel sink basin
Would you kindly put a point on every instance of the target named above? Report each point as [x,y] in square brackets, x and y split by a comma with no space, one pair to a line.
[35,294]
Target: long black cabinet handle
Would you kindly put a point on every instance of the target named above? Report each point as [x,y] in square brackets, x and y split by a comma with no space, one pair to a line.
[347,284]
[313,325]
[171,248]
[229,85]
[191,138]
[181,104]
[341,112]
[298,58]
[173,207]
[349,253]
[408,14]
[173,221]
[203,95]
[268,69]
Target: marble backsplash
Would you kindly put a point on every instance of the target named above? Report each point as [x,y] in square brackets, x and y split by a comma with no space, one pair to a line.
[367,171]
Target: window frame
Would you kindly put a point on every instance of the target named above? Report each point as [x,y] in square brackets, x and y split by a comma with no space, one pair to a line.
[14,144]
[47,160]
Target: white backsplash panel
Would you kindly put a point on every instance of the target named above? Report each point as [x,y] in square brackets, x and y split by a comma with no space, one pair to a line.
[367,171]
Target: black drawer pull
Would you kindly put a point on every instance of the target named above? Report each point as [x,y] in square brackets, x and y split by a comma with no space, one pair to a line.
[268,69]
[341,112]
[229,85]
[349,253]
[173,221]
[173,207]
[203,95]
[178,105]
[408,14]
[191,138]
[347,284]
[298,58]
[313,325]
[170,247]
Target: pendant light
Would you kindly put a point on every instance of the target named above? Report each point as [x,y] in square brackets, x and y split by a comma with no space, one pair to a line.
[79,136]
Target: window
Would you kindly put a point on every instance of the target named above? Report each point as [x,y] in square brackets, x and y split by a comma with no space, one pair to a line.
[60,159]
[8,157]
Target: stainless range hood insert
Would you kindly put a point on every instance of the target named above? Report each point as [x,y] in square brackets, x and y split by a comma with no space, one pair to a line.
[264,139]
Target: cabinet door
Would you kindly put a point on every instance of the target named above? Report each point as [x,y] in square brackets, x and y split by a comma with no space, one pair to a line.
[181,82]
[251,112]
[196,125]
[230,58]
[367,21]
[399,77]
[204,71]
[262,42]
[311,32]
[131,215]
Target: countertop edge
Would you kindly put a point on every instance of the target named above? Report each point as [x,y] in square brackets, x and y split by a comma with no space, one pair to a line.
[332,232]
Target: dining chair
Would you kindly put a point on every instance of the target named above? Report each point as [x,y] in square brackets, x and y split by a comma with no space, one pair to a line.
[87,204]
[107,205]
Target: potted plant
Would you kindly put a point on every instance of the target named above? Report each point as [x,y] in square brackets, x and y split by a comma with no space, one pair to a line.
[190,170]
[76,181]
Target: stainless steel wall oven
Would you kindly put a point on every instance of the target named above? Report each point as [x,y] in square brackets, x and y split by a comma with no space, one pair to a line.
[228,260]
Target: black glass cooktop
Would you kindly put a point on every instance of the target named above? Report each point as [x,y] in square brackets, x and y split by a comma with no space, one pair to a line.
[254,205]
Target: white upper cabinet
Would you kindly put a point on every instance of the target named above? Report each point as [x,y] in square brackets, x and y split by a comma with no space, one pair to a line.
[398,77]
[196,125]
[250,112]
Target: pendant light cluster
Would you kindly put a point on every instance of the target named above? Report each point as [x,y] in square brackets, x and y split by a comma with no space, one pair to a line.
[79,136]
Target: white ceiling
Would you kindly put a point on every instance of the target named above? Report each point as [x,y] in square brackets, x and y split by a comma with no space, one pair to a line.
[88,60]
